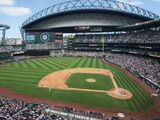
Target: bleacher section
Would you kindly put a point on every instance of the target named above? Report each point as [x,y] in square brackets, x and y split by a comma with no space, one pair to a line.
[145,36]
[146,68]
[5,49]
[11,109]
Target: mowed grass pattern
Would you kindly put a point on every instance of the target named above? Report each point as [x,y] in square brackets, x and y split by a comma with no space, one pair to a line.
[78,80]
[23,77]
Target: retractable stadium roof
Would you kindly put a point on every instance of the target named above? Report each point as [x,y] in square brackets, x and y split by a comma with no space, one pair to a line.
[112,10]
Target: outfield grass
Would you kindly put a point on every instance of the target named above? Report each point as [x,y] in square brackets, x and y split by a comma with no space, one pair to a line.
[78,80]
[23,77]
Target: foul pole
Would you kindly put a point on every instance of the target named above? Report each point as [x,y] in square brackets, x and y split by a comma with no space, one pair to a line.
[103,45]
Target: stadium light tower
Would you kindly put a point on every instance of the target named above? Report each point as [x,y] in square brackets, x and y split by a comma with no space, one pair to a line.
[3,28]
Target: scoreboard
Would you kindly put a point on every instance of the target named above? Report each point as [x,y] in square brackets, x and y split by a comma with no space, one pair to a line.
[58,37]
[43,37]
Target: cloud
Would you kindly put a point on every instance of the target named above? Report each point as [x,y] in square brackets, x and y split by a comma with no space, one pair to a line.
[132,2]
[15,11]
[7,2]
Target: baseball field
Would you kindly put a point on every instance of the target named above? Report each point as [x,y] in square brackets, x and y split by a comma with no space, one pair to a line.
[85,86]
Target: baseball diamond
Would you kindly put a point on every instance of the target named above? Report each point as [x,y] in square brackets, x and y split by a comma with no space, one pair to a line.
[24,76]
[58,80]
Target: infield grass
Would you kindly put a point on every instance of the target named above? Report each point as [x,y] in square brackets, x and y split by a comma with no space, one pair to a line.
[23,77]
[78,80]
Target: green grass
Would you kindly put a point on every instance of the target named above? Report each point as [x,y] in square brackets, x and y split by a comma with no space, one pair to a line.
[24,76]
[78,80]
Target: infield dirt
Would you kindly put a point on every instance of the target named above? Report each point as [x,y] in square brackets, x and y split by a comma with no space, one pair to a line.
[56,80]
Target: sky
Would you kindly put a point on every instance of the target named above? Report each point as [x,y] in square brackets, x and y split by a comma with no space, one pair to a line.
[15,12]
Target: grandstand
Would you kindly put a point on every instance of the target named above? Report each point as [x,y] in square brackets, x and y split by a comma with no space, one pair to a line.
[92,34]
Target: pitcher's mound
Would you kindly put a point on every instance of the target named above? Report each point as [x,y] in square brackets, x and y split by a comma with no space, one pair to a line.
[91,80]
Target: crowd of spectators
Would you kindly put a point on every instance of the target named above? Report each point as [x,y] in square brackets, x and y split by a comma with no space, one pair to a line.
[19,58]
[147,36]
[60,53]
[147,67]
[84,54]
[43,46]
[11,109]
[18,110]
[7,49]
[88,38]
